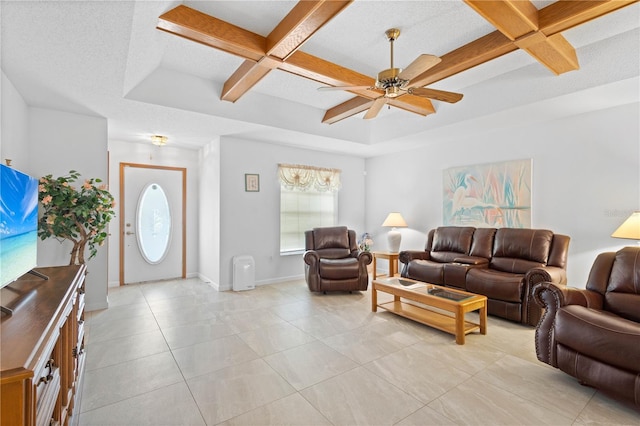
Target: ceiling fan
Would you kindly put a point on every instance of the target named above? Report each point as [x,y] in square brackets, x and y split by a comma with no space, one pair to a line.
[396,81]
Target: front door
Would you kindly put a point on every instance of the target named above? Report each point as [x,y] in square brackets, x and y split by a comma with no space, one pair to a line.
[152,227]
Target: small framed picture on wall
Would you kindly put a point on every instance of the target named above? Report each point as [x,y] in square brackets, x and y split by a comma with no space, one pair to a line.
[251,182]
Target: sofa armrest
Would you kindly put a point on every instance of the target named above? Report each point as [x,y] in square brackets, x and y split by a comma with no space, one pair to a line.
[551,297]
[365,258]
[552,274]
[531,311]
[409,255]
[312,269]
[311,257]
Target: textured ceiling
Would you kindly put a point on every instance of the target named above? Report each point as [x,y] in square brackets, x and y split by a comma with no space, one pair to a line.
[106,58]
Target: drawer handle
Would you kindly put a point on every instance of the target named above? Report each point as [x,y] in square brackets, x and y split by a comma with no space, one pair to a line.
[49,376]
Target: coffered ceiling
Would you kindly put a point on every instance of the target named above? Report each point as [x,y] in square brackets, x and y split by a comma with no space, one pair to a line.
[109,59]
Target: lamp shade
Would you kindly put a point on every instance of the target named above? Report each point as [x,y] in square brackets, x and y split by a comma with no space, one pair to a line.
[395,220]
[630,228]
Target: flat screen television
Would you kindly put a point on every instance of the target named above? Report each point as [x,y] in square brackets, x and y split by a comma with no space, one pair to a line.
[18,224]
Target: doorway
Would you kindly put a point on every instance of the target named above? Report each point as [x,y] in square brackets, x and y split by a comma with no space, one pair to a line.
[152,223]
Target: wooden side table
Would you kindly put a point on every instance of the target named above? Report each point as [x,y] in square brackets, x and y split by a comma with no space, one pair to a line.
[391,257]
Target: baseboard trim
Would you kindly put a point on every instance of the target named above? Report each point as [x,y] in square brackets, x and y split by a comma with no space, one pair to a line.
[96,306]
[207,280]
[280,279]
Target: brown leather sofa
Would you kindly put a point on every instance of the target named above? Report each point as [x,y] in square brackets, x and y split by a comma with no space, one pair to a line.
[503,264]
[332,261]
[593,334]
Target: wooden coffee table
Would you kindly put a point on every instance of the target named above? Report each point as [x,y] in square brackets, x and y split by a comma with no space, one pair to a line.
[436,306]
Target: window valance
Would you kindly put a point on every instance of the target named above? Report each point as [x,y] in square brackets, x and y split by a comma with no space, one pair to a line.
[303,178]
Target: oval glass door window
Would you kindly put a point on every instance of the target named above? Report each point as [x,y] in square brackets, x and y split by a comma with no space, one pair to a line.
[154,223]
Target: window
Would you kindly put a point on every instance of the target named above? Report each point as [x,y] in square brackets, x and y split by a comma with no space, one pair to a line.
[308,199]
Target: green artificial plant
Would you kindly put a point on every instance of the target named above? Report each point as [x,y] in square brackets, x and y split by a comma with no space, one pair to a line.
[78,214]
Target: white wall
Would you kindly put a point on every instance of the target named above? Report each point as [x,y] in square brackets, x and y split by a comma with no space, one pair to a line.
[209,207]
[250,220]
[60,142]
[128,152]
[586,180]
[14,130]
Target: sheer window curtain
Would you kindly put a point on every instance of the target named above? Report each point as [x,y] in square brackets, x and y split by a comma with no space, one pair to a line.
[308,199]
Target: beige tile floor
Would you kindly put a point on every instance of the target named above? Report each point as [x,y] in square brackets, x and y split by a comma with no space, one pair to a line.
[181,353]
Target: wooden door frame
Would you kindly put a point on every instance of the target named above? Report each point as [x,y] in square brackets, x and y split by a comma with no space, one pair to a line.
[183,170]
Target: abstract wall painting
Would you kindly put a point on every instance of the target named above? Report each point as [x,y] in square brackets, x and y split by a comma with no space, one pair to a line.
[496,195]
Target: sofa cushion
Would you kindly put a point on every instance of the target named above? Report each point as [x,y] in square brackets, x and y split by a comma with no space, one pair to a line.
[600,335]
[444,256]
[333,237]
[425,270]
[334,253]
[495,284]
[482,244]
[513,265]
[339,269]
[452,239]
[523,248]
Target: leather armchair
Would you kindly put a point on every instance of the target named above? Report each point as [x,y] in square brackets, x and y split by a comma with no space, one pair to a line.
[332,261]
[593,334]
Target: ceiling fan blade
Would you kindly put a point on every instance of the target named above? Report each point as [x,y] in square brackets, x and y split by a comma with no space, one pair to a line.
[375,108]
[438,95]
[418,66]
[329,88]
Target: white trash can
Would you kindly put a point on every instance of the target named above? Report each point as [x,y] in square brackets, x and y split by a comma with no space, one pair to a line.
[244,273]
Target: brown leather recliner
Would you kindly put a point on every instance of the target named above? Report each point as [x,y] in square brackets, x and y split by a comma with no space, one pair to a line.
[332,261]
[593,334]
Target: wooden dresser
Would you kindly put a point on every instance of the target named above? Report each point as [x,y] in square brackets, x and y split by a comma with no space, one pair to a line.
[42,353]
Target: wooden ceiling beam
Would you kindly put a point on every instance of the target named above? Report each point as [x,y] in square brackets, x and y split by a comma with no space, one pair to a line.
[563,15]
[261,54]
[325,72]
[415,104]
[554,52]
[512,18]
[518,20]
[553,19]
[245,77]
[537,32]
[550,20]
[213,32]
[300,24]
[346,109]
[477,52]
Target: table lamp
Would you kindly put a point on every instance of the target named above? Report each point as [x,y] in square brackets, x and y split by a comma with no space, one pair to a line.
[394,220]
[630,228]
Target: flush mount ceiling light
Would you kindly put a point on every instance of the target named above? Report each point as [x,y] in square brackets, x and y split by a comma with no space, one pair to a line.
[159,140]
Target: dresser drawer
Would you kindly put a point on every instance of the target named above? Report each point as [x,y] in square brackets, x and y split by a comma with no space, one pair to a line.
[47,389]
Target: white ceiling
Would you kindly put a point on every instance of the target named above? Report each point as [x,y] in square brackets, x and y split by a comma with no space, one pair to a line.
[106,58]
